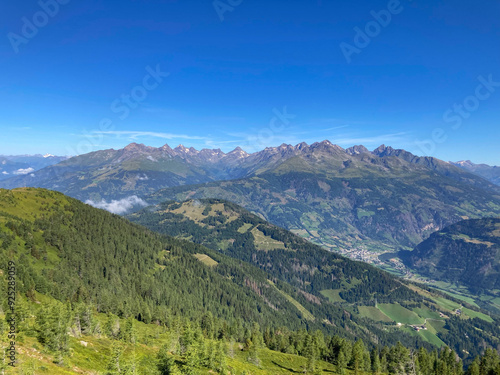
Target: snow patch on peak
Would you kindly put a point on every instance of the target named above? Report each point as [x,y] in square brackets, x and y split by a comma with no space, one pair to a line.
[181,148]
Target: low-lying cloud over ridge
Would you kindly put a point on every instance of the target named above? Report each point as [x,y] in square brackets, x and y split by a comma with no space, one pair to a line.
[24,171]
[118,206]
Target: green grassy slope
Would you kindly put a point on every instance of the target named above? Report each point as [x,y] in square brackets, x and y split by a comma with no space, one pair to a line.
[93,352]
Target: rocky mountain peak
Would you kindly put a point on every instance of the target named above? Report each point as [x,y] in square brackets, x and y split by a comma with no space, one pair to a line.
[326,145]
[166,147]
[135,148]
[356,150]
[301,146]
[380,150]
[238,152]
[464,163]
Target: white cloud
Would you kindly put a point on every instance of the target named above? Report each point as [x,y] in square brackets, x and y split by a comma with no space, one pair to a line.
[24,171]
[335,128]
[132,134]
[5,172]
[118,206]
[370,141]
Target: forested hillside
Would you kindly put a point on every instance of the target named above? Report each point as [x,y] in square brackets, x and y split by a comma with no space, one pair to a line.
[55,338]
[73,252]
[224,226]
[366,292]
[466,253]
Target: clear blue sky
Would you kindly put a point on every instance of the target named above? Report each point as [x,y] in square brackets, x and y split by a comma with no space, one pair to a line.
[79,80]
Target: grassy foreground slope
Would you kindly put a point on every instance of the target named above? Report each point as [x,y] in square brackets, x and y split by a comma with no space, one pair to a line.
[101,348]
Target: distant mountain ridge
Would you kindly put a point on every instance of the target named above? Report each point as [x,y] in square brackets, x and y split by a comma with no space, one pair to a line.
[490,173]
[15,165]
[346,200]
[355,200]
[140,170]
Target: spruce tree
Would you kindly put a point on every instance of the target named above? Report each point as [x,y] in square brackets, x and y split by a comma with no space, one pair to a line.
[220,358]
[192,360]
[253,352]
[474,367]
[358,355]
[166,363]
[311,353]
[113,366]
[341,363]
[52,324]
[376,368]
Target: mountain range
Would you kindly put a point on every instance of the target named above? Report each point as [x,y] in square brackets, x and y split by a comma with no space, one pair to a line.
[352,201]
[491,173]
[140,170]
[25,164]
[349,200]
[135,169]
